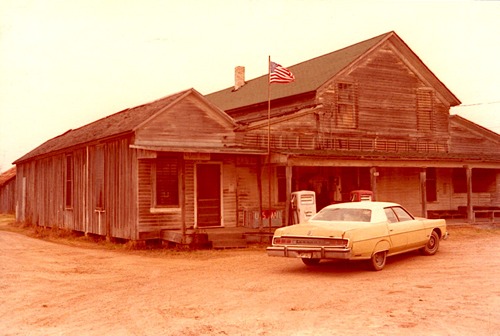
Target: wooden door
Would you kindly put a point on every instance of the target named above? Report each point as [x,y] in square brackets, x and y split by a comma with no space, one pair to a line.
[208,195]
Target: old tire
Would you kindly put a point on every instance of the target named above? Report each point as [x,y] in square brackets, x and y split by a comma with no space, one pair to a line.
[377,262]
[310,261]
[432,245]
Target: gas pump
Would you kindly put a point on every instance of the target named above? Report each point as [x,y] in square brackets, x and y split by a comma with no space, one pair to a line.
[303,205]
[362,195]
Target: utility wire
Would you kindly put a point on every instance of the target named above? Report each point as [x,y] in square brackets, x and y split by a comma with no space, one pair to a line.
[477,104]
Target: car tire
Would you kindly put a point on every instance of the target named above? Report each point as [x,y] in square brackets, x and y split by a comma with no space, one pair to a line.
[432,245]
[377,262]
[310,261]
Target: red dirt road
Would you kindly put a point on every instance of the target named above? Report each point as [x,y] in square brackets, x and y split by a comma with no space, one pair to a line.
[55,289]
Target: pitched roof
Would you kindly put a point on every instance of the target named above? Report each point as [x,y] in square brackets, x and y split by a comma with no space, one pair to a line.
[7,175]
[310,75]
[113,125]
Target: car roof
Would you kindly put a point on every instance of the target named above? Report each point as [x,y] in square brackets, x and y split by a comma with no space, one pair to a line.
[363,205]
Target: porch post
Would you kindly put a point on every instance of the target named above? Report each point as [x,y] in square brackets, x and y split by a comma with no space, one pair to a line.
[423,192]
[288,175]
[470,208]
[373,181]
[182,197]
[259,187]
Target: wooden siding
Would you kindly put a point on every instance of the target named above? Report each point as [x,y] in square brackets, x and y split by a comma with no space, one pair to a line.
[41,192]
[395,111]
[400,185]
[42,200]
[155,220]
[388,93]
[229,192]
[8,197]
[467,141]
[120,185]
[187,124]
[148,219]
[248,197]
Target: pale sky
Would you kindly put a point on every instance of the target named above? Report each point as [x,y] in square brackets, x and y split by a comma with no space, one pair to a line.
[64,64]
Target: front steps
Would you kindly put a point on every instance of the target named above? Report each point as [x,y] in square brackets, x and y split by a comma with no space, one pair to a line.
[226,240]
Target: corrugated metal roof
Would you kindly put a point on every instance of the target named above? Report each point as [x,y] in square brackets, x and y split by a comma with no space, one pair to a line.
[309,76]
[119,123]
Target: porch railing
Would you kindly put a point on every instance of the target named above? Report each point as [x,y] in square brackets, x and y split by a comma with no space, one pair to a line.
[344,143]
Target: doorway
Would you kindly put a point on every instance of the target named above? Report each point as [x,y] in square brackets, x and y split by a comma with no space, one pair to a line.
[208,195]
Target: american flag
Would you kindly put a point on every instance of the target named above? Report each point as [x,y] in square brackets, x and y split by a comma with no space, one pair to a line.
[279,74]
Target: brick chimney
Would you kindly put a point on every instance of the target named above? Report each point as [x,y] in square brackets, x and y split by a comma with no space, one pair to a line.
[239,77]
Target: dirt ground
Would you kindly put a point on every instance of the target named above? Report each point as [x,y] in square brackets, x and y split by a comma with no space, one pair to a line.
[78,288]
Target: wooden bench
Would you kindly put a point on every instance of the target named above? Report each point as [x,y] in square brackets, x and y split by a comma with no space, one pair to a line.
[490,212]
[446,214]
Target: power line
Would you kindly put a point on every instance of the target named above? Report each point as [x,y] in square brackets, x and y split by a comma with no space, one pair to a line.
[477,104]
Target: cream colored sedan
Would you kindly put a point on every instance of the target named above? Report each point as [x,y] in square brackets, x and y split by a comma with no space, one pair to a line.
[358,231]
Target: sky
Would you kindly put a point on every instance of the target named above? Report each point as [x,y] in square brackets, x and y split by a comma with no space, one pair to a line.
[64,64]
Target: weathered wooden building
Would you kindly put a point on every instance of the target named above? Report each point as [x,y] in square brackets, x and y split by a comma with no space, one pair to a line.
[8,191]
[370,116]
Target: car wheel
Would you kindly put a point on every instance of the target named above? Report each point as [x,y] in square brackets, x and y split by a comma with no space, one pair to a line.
[378,260]
[310,261]
[432,245]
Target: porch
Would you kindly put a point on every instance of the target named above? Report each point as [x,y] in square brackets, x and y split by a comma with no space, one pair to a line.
[219,237]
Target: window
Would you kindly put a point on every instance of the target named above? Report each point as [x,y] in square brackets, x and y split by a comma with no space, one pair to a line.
[431,184]
[166,183]
[397,214]
[281,180]
[402,214]
[69,182]
[344,215]
[346,114]
[391,216]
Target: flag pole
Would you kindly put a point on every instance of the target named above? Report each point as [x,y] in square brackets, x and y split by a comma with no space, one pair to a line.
[269,138]
[269,106]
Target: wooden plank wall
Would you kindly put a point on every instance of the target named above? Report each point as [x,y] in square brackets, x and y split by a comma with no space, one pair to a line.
[248,192]
[44,199]
[148,220]
[118,213]
[229,190]
[400,185]
[187,124]
[41,192]
[8,197]
[387,96]
[465,141]
[152,221]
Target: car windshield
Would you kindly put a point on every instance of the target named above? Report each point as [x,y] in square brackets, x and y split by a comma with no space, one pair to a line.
[343,215]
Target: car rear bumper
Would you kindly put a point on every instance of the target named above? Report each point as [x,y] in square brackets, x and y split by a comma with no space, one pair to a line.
[309,252]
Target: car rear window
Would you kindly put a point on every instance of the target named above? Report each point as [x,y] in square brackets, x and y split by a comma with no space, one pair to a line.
[344,215]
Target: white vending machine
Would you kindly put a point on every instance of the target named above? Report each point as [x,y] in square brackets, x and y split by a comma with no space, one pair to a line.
[303,205]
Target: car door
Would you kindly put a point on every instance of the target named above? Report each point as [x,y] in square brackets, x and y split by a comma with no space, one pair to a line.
[397,232]
[412,228]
